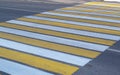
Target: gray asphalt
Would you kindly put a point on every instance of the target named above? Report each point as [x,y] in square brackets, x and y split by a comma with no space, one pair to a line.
[107,63]
[11,9]
[116,46]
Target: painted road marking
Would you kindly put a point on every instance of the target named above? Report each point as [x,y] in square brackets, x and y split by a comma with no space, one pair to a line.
[38,62]
[81,11]
[37,29]
[84,21]
[67,28]
[98,7]
[80,32]
[57,47]
[114,50]
[53,39]
[86,14]
[14,68]
[87,8]
[70,24]
[104,4]
[60,41]
[81,16]
[90,10]
[75,23]
[93,14]
[75,60]
[80,22]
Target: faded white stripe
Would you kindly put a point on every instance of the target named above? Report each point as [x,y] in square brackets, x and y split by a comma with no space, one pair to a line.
[105,4]
[90,13]
[80,16]
[99,7]
[64,41]
[78,32]
[88,8]
[76,23]
[79,61]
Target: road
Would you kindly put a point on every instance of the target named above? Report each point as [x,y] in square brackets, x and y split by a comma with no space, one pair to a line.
[108,63]
[11,9]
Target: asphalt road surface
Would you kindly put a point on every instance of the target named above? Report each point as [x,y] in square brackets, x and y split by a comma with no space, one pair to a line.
[108,63]
[11,9]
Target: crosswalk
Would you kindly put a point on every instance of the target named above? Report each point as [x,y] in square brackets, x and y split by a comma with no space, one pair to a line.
[58,42]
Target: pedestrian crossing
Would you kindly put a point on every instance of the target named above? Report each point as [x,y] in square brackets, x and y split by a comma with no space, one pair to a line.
[58,42]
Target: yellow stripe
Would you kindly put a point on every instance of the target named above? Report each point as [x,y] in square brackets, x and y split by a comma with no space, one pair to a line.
[38,62]
[90,15]
[111,13]
[82,20]
[57,47]
[104,4]
[79,9]
[71,26]
[60,34]
[91,10]
[97,7]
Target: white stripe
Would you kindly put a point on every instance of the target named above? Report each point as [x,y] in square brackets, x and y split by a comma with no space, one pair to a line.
[79,61]
[114,50]
[80,16]
[76,23]
[92,46]
[78,32]
[90,13]
[19,69]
